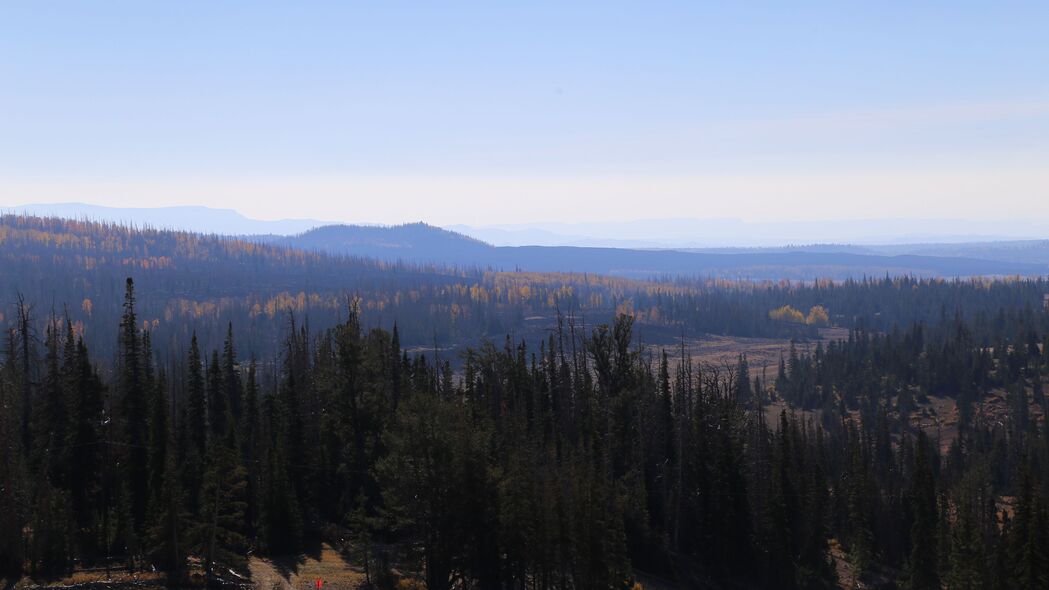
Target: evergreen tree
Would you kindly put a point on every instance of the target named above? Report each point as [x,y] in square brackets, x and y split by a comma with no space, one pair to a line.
[85,443]
[134,416]
[251,454]
[280,520]
[13,490]
[193,426]
[51,540]
[217,534]
[167,534]
[921,567]
[1030,564]
[160,443]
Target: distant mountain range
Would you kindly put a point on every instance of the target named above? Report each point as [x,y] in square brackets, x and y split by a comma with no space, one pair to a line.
[627,253]
[191,217]
[641,233]
[421,243]
[714,233]
[1025,251]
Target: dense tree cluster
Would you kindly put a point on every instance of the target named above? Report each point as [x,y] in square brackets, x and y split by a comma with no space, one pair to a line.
[579,463]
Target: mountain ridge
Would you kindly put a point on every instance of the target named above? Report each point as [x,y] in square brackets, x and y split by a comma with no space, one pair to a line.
[420,242]
[423,243]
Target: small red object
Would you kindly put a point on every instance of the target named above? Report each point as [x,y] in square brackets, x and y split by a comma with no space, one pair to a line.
[320,582]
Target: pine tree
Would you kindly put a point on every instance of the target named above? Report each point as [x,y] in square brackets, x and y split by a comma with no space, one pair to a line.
[280,522]
[782,514]
[423,473]
[280,517]
[51,541]
[921,568]
[13,489]
[250,442]
[134,415]
[1030,565]
[859,501]
[167,534]
[160,444]
[193,428]
[744,394]
[50,420]
[217,535]
[231,383]
[84,441]
[218,402]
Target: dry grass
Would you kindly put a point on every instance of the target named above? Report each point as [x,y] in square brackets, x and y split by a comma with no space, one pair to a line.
[762,354]
[285,574]
[117,577]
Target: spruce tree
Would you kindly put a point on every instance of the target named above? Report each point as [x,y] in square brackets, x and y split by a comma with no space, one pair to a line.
[134,415]
[250,442]
[14,491]
[921,567]
[167,534]
[193,428]
[217,534]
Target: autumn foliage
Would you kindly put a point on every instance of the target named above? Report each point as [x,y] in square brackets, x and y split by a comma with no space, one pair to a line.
[817,315]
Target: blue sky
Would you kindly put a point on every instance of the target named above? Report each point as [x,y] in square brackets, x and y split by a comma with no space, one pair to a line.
[490,112]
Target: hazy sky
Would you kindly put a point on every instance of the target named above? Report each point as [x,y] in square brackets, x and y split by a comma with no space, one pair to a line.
[497,112]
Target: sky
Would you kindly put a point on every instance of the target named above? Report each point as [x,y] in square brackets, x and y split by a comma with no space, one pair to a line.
[514,112]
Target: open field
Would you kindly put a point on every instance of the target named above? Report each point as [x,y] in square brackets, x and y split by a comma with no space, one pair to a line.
[762,354]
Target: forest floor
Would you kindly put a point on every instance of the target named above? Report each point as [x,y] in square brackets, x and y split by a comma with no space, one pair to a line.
[325,564]
[91,580]
[290,573]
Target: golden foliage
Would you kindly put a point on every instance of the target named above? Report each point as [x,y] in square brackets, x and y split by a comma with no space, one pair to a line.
[817,315]
[787,314]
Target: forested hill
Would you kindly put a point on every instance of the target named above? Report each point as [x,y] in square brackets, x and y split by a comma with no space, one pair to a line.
[189,282]
[421,243]
[413,242]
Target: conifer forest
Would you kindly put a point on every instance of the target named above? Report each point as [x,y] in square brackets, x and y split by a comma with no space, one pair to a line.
[168,406]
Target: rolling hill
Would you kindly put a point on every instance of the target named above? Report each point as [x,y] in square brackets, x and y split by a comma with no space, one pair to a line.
[421,243]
